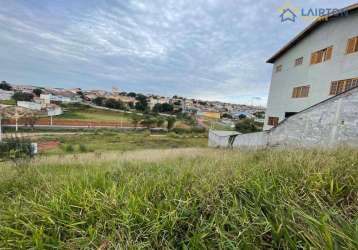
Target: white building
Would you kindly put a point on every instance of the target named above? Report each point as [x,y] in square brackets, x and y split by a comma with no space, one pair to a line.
[29,105]
[6,95]
[318,63]
[47,98]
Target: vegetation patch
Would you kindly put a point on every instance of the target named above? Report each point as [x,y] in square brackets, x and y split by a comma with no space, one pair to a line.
[191,199]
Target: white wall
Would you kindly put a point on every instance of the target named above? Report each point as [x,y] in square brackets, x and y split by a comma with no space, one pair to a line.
[318,76]
[29,105]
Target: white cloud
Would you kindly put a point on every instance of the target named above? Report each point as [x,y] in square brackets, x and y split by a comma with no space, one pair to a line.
[210,49]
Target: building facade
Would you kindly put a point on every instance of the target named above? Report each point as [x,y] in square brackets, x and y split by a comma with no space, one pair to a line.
[320,62]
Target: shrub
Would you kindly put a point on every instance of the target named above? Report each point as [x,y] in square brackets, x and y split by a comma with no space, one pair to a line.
[69,148]
[82,148]
[114,104]
[170,123]
[247,126]
[23,96]
[99,101]
[15,149]
[37,92]
[5,86]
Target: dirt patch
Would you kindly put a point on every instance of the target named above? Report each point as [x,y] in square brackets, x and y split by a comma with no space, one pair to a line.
[47,145]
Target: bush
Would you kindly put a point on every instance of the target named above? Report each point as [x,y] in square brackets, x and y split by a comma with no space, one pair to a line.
[247,126]
[69,148]
[23,96]
[5,86]
[114,104]
[170,123]
[37,92]
[15,149]
[82,148]
[99,101]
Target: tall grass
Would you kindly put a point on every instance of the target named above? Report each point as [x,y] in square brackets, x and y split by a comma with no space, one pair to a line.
[163,199]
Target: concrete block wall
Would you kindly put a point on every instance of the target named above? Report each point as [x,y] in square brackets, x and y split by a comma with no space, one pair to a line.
[327,124]
[255,140]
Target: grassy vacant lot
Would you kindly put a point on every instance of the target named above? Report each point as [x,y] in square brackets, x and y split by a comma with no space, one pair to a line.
[83,112]
[182,198]
[8,102]
[101,141]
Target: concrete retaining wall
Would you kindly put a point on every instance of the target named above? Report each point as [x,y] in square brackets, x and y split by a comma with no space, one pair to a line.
[251,140]
[327,124]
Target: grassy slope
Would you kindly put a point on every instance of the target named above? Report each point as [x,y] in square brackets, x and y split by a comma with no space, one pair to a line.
[185,197]
[82,112]
[106,141]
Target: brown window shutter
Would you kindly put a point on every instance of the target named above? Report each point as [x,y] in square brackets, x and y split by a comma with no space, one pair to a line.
[348,84]
[328,54]
[355,83]
[313,57]
[294,93]
[351,44]
[320,55]
[275,121]
[333,90]
[305,91]
[340,87]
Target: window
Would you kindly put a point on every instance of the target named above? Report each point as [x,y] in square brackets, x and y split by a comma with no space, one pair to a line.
[352,45]
[300,92]
[322,55]
[278,68]
[298,61]
[338,87]
[272,121]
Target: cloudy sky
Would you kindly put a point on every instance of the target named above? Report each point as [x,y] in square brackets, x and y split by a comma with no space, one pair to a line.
[213,49]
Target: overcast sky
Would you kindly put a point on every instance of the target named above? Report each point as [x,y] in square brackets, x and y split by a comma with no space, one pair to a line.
[213,49]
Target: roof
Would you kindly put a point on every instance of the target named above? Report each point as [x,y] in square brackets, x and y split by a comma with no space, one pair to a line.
[306,31]
[224,133]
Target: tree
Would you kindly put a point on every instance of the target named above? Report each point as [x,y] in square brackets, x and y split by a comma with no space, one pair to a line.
[160,122]
[31,119]
[37,92]
[142,104]
[5,86]
[148,122]
[22,96]
[132,94]
[136,119]
[131,105]
[80,94]
[157,108]
[246,126]
[114,104]
[226,115]
[163,108]
[170,122]
[99,101]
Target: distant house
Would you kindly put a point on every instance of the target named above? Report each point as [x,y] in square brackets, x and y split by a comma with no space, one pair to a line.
[48,98]
[318,63]
[29,105]
[153,100]
[6,95]
[53,110]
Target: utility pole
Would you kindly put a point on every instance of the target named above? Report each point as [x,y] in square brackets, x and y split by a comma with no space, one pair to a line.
[0,129]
